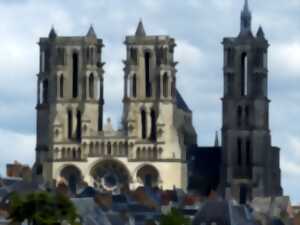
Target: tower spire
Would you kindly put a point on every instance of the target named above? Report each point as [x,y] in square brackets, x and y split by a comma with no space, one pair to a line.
[140,31]
[52,33]
[91,32]
[246,19]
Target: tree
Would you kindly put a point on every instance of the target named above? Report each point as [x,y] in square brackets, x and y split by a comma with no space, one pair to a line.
[42,208]
[174,218]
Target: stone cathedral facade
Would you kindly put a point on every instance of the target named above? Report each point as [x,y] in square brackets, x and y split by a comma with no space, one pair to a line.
[73,144]
[157,143]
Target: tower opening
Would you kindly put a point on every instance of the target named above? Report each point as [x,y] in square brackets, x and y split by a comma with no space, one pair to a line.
[91,85]
[61,86]
[134,85]
[153,125]
[239,116]
[144,124]
[75,75]
[244,74]
[147,74]
[165,85]
[45,91]
[247,115]
[70,124]
[239,152]
[248,153]
[78,130]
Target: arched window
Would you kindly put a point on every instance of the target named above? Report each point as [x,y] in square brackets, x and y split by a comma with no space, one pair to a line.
[248,153]
[70,124]
[61,86]
[239,152]
[165,85]
[239,116]
[147,74]
[153,125]
[134,85]
[91,85]
[144,124]
[45,91]
[78,130]
[75,74]
[244,74]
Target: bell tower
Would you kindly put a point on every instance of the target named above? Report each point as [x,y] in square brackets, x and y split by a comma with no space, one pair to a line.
[70,98]
[250,165]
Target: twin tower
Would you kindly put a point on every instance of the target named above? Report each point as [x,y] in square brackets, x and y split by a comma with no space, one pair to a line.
[75,147]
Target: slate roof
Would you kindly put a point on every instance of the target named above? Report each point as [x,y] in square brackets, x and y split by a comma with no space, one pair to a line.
[181,104]
[223,212]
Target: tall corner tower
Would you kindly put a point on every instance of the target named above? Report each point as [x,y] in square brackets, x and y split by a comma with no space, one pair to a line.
[70,99]
[150,106]
[250,165]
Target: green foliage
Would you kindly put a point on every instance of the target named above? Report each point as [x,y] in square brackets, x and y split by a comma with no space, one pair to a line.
[174,218]
[42,208]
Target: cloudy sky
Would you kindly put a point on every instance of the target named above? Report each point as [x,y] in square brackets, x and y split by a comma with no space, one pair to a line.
[198,26]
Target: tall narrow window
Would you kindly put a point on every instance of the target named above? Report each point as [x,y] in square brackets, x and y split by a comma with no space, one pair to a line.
[70,124]
[239,152]
[173,88]
[239,116]
[42,61]
[61,86]
[91,85]
[45,91]
[144,124]
[244,74]
[153,125]
[247,116]
[147,74]
[248,153]
[165,85]
[134,85]
[75,75]
[78,130]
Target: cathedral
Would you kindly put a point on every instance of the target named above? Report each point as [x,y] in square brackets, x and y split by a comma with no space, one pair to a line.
[156,145]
